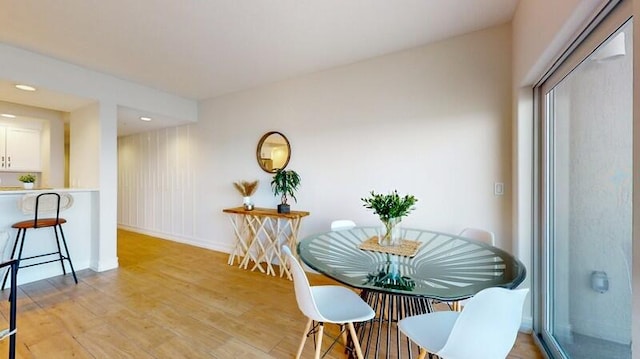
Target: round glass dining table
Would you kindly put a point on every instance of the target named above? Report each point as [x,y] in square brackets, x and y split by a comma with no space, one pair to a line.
[432,266]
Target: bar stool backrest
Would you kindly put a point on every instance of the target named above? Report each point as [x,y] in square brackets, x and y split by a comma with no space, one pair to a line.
[45,204]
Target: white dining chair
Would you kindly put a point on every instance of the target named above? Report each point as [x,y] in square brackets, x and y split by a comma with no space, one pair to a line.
[326,304]
[342,224]
[479,235]
[486,328]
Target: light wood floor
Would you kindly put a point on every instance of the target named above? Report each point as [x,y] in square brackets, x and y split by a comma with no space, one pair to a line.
[168,300]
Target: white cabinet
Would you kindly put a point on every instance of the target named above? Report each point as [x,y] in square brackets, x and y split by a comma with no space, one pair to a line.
[19,149]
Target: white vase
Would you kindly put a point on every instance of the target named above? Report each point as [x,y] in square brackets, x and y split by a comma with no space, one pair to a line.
[28,185]
[389,233]
[247,204]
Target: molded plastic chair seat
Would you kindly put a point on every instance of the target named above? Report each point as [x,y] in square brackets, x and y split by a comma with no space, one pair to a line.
[433,336]
[340,305]
[326,304]
[342,224]
[485,329]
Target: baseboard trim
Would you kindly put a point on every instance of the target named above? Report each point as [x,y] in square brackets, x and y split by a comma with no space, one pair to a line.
[180,239]
[104,265]
[526,326]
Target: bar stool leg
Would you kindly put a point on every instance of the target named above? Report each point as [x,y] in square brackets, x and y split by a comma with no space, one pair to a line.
[55,230]
[66,249]
[13,252]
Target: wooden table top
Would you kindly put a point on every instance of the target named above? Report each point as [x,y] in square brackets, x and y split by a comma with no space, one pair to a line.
[268,212]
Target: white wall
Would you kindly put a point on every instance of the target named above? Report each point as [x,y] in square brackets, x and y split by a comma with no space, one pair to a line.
[107,162]
[53,147]
[432,121]
[93,159]
[84,151]
[541,29]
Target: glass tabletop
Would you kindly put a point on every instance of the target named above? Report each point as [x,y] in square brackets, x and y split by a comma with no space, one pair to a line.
[446,267]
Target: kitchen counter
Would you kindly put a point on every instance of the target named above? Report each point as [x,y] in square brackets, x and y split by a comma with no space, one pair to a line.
[19,188]
[22,190]
[81,231]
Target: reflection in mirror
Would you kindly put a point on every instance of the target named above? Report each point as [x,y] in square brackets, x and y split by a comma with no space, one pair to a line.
[273,152]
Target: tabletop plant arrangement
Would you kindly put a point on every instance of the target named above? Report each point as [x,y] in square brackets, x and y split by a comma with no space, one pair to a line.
[284,184]
[246,189]
[27,180]
[390,208]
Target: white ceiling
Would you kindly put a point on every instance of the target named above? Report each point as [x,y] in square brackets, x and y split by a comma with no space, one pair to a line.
[200,49]
[42,98]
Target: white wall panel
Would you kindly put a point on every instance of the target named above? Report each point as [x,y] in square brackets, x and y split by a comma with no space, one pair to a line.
[155,192]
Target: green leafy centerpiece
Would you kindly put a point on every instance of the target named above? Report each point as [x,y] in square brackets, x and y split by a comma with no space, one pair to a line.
[285,183]
[390,208]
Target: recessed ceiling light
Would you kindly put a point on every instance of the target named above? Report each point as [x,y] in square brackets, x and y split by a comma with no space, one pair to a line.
[145,118]
[8,115]
[25,87]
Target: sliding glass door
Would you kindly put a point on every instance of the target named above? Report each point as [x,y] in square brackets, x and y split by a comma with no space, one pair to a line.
[585,218]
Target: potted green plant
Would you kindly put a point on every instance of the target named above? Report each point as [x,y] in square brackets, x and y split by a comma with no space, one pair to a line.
[284,184]
[390,208]
[27,180]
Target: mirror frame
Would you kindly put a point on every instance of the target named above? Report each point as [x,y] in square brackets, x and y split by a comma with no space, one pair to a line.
[259,151]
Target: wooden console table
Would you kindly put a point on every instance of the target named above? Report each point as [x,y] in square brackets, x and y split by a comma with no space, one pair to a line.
[259,235]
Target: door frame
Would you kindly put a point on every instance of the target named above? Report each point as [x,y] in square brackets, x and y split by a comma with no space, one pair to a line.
[610,19]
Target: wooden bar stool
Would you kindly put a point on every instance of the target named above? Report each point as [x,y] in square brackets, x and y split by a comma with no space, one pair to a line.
[38,204]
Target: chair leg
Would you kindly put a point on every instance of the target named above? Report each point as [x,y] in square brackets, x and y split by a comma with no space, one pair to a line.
[319,342]
[456,306]
[304,338]
[13,253]
[343,332]
[66,249]
[356,342]
[55,231]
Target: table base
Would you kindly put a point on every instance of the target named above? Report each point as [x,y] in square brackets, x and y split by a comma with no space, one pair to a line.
[380,337]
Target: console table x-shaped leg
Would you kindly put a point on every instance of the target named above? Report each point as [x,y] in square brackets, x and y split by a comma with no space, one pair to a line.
[259,235]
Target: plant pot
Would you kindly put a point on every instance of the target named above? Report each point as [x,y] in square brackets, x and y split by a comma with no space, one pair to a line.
[247,204]
[27,185]
[284,208]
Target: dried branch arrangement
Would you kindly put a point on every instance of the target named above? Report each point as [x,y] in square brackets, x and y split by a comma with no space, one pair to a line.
[246,188]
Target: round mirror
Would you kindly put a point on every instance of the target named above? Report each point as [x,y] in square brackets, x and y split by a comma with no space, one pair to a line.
[273,152]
